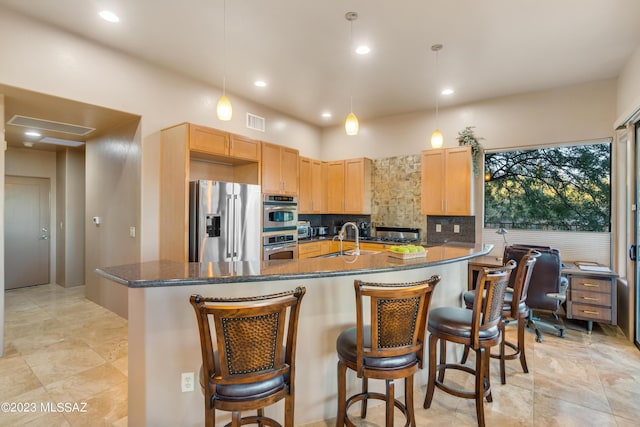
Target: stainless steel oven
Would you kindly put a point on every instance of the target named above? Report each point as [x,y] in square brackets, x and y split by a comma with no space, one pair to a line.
[279,213]
[280,246]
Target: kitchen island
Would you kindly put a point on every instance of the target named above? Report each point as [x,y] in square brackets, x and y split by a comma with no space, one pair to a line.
[163,333]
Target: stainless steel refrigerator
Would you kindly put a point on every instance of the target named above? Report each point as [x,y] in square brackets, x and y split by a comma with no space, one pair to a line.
[224,221]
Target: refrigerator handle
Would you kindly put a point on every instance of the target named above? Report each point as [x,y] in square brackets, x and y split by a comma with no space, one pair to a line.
[236,227]
[229,229]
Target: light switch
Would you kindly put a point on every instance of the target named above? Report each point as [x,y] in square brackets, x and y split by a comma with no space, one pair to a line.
[132,232]
[438,228]
[456,228]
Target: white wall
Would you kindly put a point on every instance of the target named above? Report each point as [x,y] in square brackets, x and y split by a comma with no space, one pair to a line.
[573,113]
[628,95]
[2,156]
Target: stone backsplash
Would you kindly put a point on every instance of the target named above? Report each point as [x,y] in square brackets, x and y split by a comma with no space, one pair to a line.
[396,192]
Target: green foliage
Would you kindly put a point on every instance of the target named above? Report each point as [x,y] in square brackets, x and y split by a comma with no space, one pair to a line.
[467,137]
[563,188]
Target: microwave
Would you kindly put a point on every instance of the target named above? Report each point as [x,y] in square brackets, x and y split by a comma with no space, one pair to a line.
[304,230]
[279,213]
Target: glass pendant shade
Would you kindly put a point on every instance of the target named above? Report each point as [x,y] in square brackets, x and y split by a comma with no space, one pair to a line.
[224,109]
[351,125]
[436,139]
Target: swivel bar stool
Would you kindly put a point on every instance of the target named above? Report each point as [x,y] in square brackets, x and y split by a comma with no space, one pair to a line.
[388,347]
[253,362]
[477,328]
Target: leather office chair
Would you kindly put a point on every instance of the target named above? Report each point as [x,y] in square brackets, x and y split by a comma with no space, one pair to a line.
[547,288]
[388,345]
[478,329]
[253,362]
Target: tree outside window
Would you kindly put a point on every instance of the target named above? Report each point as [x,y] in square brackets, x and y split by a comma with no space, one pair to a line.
[561,188]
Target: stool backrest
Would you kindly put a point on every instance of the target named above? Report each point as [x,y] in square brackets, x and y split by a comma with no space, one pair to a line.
[397,318]
[522,279]
[251,344]
[489,299]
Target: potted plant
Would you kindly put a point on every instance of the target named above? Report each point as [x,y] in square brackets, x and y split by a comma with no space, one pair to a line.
[467,137]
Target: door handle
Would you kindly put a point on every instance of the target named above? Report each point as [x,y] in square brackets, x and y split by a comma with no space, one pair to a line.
[633,252]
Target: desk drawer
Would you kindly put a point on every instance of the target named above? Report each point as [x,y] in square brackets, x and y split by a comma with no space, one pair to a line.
[588,284]
[590,312]
[594,298]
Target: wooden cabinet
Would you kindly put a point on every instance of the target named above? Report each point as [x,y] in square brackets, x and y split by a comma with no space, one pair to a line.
[313,189]
[218,143]
[189,152]
[349,186]
[592,296]
[314,249]
[279,169]
[447,182]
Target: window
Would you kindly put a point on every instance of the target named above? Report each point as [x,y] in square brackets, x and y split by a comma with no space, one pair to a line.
[560,188]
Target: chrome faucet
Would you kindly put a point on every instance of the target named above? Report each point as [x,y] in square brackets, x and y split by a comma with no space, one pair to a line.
[343,234]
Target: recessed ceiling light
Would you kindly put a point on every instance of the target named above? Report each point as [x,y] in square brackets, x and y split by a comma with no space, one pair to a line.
[326,115]
[109,16]
[27,144]
[33,133]
[260,83]
[447,91]
[363,50]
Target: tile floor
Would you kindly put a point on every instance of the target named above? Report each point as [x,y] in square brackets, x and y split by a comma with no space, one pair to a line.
[62,348]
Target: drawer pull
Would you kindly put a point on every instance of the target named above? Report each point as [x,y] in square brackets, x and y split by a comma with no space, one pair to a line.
[590,312]
[590,298]
[590,285]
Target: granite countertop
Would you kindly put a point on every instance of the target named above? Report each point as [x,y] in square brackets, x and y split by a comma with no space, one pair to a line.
[170,273]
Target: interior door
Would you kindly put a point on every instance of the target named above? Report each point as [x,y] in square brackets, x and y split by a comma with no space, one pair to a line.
[26,228]
[636,234]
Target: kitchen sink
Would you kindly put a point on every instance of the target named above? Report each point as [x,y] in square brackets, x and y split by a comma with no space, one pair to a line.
[349,253]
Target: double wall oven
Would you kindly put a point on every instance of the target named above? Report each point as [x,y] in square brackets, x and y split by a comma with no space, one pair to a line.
[279,227]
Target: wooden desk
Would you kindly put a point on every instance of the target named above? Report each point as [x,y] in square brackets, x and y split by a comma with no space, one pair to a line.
[591,296]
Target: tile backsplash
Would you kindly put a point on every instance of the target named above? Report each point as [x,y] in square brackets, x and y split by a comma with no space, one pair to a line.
[396,192]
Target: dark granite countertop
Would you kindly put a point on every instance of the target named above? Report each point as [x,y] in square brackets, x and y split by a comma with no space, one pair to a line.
[170,273]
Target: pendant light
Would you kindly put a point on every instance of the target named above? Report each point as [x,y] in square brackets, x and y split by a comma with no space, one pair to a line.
[436,136]
[351,125]
[224,109]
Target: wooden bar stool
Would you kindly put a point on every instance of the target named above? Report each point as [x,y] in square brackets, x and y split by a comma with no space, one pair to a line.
[253,362]
[389,347]
[477,328]
[514,308]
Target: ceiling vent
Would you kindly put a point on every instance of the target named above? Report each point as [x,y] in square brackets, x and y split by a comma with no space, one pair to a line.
[255,122]
[33,123]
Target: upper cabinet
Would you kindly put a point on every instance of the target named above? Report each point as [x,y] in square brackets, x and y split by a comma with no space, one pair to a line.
[349,186]
[313,189]
[215,142]
[447,182]
[279,169]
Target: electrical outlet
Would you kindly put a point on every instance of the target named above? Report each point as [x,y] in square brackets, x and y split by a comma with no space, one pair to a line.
[132,232]
[438,228]
[456,228]
[187,381]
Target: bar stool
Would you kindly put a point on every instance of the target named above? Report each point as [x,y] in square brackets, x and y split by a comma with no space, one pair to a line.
[514,308]
[389,347]
[477,328]
[253,362]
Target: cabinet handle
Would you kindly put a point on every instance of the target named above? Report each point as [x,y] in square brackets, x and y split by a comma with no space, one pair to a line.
[590,312]
[590,298]
[590,285]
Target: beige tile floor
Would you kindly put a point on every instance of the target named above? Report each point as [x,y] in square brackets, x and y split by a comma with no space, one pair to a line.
[62,348]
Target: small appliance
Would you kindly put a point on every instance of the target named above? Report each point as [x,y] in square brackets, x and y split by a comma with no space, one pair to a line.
[279,213]
[321,231]
[304,230]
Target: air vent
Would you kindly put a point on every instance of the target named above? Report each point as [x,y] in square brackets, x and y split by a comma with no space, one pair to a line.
[255,122]
[33,123]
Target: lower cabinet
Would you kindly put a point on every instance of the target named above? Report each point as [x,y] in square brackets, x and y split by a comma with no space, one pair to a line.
[314,249]
[591,298]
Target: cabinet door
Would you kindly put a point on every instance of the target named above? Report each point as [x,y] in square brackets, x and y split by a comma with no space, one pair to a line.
[244,148]
[432,202]
[270,165]
[357,193]
[289,170]
[318,186]
[305,198]
[457,181]
[207,140]
[335,186]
